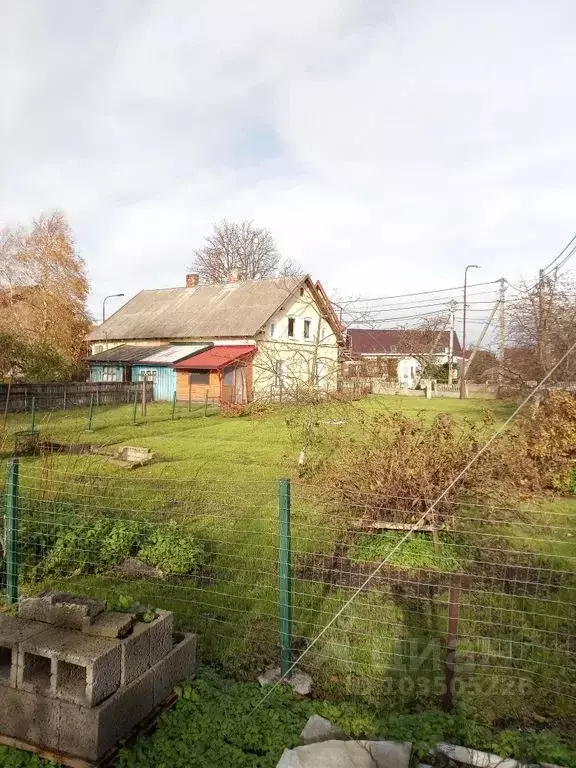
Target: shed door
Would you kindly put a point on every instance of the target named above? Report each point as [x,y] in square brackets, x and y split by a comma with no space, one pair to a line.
[229,384]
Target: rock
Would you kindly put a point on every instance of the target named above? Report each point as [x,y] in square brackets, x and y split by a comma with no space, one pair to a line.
[328,754]
[348,754]
[474,757]
[390,754]
[132,568]
[319,729]
[300,682]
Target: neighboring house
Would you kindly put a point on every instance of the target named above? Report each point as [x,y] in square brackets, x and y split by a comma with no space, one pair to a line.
[267,338]
[399,354]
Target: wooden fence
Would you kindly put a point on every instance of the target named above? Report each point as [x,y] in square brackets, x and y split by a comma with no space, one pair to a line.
[53,396]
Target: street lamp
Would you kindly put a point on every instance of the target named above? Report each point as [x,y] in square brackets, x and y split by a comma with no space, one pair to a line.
[463,371]
[112,296]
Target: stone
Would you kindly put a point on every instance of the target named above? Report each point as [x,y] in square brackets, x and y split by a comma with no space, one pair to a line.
[70,665]
[29,717]
[473,757]
[348,754]
[299,681]
[319,729]
[161,636]
[36,608]
[13,630]
[390,754]
[133,568]
[110,624]
[177,666]
[328,754]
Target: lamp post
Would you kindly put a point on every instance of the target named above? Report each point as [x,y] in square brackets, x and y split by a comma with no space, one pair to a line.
[463,371]
[111,296]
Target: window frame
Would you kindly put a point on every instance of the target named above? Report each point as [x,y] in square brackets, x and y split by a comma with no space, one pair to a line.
[307,329]
[199,372]
[291,327]
[106,369]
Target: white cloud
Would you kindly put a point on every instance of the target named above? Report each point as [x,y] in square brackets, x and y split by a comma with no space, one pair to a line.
[385,145]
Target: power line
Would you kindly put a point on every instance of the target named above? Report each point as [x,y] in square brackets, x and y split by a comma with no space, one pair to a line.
[562,252]
[421,293]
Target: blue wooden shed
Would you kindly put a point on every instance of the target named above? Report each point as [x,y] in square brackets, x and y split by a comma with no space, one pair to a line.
[158,367]
[115,364]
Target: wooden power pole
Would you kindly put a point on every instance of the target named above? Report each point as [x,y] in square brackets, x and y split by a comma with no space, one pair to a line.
[502,332]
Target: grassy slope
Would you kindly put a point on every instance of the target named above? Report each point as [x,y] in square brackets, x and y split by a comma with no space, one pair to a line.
[219,475]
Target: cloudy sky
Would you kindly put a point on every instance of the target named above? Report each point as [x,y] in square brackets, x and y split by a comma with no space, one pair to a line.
[386,143]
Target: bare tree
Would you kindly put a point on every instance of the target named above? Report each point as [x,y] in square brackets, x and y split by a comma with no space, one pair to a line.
[542,327]
[243,250]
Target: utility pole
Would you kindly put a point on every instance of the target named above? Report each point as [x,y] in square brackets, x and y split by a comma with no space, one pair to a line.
[464,309]
[452,308]
[502,332]
[540,332]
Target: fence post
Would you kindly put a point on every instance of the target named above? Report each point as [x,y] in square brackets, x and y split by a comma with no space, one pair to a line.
[33,415]
[12,553]
[450,663]
[285,577]
[173,404]
[144,396]
[206,404]
[64,400]
[135,406]
[90,412]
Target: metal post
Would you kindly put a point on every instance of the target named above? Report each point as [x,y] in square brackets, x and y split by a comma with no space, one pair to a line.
[173,405]
[135,405]
[285,578]
[502,329]
[12,553]
[450,664]
[90,410]
[464,310]
[64,400]
[33,415]
[189,392]
[144,396]
[206,404]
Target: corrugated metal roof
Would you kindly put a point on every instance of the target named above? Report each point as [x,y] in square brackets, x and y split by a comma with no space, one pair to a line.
[206,311]
[125,353]
[217,357]
[173,353]
[365,341]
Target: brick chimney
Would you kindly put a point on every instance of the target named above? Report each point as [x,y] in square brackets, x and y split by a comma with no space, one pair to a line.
[233,277]
[192,281]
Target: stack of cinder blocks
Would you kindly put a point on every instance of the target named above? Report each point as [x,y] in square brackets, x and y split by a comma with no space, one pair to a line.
[76,679]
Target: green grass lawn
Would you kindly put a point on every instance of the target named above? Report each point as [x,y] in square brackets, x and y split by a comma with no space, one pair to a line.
[217,478]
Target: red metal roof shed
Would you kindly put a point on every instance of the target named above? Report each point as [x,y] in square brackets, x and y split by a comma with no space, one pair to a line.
[216,357]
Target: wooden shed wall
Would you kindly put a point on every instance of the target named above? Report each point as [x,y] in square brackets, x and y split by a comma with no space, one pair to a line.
[198,391]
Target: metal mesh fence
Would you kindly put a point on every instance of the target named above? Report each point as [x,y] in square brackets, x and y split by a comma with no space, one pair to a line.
[481,609]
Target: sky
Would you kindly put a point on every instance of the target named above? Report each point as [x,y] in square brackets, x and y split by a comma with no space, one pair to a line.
[385,143]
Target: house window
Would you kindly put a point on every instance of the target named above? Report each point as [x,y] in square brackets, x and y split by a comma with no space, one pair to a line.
[291,326]
[150,374]
[393,349]
[307,326]
[202,378]
[109,373]
[229,378]
[272,330]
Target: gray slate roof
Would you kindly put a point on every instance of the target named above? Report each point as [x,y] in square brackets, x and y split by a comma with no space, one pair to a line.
[206,311]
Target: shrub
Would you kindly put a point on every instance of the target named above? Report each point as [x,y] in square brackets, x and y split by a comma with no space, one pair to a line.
[171,550]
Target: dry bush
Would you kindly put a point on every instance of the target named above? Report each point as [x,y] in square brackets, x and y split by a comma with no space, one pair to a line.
[550,433]
[396,467]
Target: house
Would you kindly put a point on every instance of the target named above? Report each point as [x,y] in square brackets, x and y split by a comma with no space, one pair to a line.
[399,354]
[233,342]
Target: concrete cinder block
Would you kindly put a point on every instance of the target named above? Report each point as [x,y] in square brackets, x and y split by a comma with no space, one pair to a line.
[90,733]
[29,717]
[12,631]
[135,653]
[36,608]
[84,669]
[178,665]
[110,624]
[74,612]
[161,636]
